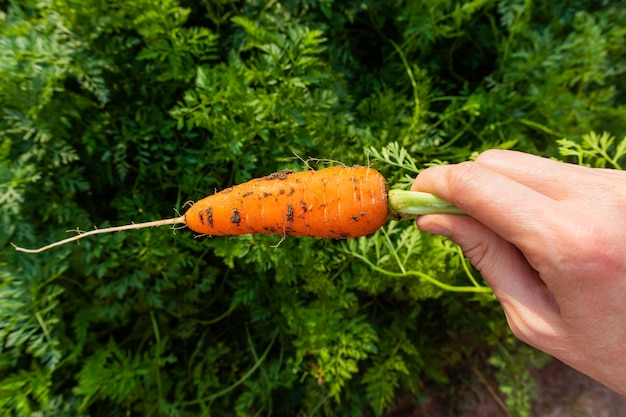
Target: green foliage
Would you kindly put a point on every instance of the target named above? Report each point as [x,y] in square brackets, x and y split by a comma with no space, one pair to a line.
[592,149]
[511,363]
[122,111]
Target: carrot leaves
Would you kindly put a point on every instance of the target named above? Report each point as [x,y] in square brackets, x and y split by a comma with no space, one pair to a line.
[595,150]
[113,112]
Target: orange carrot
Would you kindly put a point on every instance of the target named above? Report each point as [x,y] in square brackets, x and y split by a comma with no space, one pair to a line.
[337,202]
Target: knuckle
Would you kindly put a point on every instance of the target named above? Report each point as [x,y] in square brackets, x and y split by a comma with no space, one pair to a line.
[533,328]
[487,255]
[521,330]
[591,245]
[487,156]
[462,171]
[525,331]
[462,178]
[477,252]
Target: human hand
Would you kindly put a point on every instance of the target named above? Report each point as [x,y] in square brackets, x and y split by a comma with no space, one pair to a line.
[550,239]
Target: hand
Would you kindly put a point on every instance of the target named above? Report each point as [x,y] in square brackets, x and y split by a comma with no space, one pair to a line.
[550,239]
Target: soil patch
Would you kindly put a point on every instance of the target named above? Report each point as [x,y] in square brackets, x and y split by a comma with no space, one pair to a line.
[564,392]
[561,392]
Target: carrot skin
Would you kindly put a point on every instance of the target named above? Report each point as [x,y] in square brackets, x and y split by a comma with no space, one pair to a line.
[336,202]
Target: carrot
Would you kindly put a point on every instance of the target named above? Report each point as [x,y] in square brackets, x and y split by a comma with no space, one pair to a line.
[336,202]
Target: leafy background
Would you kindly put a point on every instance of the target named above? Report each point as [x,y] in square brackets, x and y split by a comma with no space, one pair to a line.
[122,111]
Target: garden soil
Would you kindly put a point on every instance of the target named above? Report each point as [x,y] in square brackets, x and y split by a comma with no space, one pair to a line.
[564,392]
[561,392]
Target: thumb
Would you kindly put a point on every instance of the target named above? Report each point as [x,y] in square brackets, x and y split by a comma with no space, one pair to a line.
[529,306]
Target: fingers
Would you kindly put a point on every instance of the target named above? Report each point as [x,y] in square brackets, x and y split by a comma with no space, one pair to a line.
[512,210]
[504,237]
[489,253]
[535,203]
[557,180]
[537,225]
[530,308]
[547,237]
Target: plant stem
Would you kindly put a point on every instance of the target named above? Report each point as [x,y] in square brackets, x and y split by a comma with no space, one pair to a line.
[240,381]
[426,277]
[410,204]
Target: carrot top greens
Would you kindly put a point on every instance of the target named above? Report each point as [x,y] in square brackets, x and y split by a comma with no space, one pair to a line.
[116,112]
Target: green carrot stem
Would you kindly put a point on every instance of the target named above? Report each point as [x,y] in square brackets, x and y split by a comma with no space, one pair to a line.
[410,204]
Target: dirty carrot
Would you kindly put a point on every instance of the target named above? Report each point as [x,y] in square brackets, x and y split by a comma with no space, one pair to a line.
[337,202]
